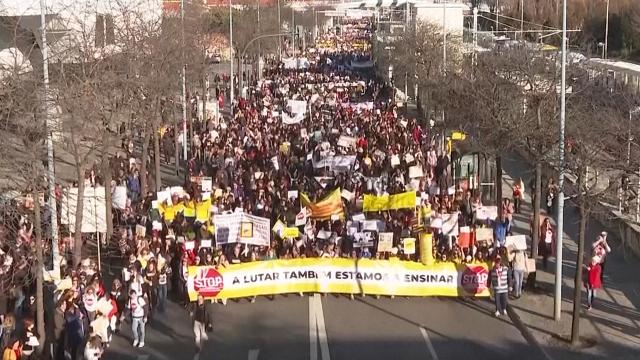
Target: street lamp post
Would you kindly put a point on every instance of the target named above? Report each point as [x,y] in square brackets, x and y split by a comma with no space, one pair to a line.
[184,91]
[606,34]
[51,178]
[557,309]
[279,29]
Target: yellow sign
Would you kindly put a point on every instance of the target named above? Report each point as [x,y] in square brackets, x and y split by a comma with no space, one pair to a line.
[409,246]
[246,230]
[458,135]
[406,200]
[290,232]
[341,276]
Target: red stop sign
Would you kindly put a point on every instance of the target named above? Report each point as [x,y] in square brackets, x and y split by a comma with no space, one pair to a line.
[474,279]
[208,282]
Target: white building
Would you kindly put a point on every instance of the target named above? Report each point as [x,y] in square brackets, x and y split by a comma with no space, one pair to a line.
[75,28]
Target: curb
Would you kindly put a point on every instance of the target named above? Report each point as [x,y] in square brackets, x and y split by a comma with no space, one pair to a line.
[526,333]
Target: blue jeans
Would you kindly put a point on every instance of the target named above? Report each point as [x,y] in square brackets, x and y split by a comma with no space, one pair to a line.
[591,295]
[501,302]
[162,297]
[518,279]
[137,327]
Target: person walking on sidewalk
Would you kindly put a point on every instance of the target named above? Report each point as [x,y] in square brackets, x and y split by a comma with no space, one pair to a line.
[201,323]
[600,249]
[547,241]
[500,285]
[592,281]
[517,195]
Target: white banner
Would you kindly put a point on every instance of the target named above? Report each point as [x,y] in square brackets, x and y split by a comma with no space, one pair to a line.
[338,162]
[242,228]
[296,106]
[94,210]
[119,197]
[288,120]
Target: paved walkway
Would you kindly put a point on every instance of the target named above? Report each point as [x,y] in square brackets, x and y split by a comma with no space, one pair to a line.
[613,326]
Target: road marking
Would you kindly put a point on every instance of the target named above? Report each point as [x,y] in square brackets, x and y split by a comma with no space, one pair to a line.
[253,354]
[432,350]
[313,330]
[322,330]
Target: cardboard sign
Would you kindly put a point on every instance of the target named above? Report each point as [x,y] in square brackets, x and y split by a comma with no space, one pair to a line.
[346,141]
[484,234]
[373,225]
[395,160]
[206,185]
[436,223]
[278,227]
[347,195]
[409,246]
[518,242]
[292,194]
[324,234]
[385,241]
[359,217]
[487,213]
[415,172]
[205,243]
[450,224]
[301,217]
[290,232]
[156,225]
[190,245]
[141,231]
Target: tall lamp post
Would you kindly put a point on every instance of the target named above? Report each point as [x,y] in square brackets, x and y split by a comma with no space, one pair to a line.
[184,91]
[51,177]
[606,34]
[557,301]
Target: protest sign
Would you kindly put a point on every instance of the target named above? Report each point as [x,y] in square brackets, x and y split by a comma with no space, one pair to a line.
[385,241]
[436,223]
[409,246]
[465,237]
[415,172]
[395,160]
[296,106]
[301,217]
[94,210]
[205,243]
[190,245]
[450,224]
[119,197]
[240,227]
[141,231]
[484,234]
[290,232]
[347,195]
[406,200]
[373,225]
[316,275]
[487,213]
[346,141]
[292,194]
[278,227]
[206,184]
[517,242]
[358,217]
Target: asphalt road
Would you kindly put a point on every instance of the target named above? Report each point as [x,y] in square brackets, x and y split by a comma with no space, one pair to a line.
[335,327]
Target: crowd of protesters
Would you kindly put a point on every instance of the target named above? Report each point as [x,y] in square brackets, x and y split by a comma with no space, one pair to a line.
[255,159]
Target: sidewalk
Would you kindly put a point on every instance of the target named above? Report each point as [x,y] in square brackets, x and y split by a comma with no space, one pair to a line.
[612,328]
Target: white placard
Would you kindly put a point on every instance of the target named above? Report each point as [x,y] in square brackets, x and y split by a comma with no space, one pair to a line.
[373,225]
[348,195]
[190,245]
[119,197]
[415,172]
[229,229]
[324,234]
[359,217]
[395,160]
[205,243]
[518,242]
[487,213]
[207,184]
[385,241]
[450,224]
[346,141]
[292,194]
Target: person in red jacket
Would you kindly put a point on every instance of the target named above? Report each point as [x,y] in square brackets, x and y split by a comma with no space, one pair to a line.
[593,281]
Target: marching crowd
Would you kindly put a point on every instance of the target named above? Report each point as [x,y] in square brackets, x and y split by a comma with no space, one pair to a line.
[329,124]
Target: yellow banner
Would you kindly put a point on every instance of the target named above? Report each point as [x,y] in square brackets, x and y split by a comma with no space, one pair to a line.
[342,276]
[406,200]
[323,209]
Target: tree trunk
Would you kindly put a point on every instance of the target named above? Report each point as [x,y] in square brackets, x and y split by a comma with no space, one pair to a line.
[156,152]
[498,183]
[39,274]
[106,169]
[77,237]
[577,290]
[145,158]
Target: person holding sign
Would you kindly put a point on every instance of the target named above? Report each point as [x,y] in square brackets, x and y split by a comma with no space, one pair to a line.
[547,243]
